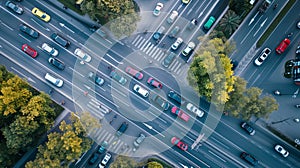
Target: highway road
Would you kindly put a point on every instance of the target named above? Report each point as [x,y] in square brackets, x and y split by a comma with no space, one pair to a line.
[221,148]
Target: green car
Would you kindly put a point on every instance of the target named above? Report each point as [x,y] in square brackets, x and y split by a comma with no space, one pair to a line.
[103,147]
[209,23]
[118,77]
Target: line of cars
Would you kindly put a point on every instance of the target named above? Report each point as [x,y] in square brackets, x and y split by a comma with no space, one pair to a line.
[251,159]
[51,51]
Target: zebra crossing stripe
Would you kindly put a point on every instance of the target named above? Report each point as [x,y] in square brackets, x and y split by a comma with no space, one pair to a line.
[146,47]
[142,45]
[157,50]
[139,44]
[150,48]
[154,48]
[95,111]
[173,65]
[161,56]
[136,38]
[179,66]
[158,54]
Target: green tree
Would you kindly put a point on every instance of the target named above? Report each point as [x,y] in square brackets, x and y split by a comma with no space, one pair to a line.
[123,162]
[245,103]
[240,7]
[210,73]
[154,165]
[120,14]
[229,23]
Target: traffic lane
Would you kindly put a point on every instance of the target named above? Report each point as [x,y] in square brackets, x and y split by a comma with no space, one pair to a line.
[196,9]
[36,82]
[249,144]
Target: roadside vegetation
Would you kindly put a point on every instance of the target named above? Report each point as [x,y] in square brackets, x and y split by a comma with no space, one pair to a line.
[65,145]
[126,162]
[211,76]
[238,10]
[25,116]
[120,16]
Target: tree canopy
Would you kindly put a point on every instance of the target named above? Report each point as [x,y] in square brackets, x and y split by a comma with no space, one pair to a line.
[25,115]
[245,103]
[119,14]
[123,162]
[210,73]
[62,146]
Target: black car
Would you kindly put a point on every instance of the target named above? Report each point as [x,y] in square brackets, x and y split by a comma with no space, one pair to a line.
[60,40]
[248,128]
[28,30]
[176,97]
[123,127]
[99,81]
[93,158]
[158,100]
[56,63]
[12,6]
[250,159]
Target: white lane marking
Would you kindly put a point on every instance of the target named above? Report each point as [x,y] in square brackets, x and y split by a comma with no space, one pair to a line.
[219,142]
[72,38]
[7,26]
[24,38]
[76,72]
[114,59]
[216,156]
[55,27]
[28,78]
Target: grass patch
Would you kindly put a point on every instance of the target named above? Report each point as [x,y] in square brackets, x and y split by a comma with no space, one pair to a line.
[71,4]
[283,137]
[277,20]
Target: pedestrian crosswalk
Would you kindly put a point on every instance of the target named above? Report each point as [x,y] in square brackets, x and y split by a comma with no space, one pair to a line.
[156,53]
[103,134]
[116,145]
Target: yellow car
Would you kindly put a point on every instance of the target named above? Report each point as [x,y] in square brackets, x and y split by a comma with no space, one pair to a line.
[41,14]
[185,1]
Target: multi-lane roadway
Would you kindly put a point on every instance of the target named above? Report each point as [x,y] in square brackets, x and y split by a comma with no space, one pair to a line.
[223,143]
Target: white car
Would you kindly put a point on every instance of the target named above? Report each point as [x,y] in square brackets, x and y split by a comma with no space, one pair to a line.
[55,81]
[281,150]
[262,57]
[105,160]
[140,90]
[194,109]
[50,50]
[156,11]
[177,43]
[191,45]
[85,57]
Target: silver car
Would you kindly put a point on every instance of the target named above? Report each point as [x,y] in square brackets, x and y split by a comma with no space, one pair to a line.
[50,50]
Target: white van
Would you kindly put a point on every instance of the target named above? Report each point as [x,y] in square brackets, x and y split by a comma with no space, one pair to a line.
[55,81]
[172,17]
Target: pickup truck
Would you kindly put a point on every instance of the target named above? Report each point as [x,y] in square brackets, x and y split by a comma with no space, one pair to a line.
[182,115]
[123,127]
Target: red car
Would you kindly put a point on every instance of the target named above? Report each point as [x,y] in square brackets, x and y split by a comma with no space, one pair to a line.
[154,83]
[283,45]
[175,110]
[135,73]
[176,141]
[30,51]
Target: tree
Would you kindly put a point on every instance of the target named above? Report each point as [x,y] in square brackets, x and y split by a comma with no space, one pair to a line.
[154,164]
[210,73]
[245,103]
[123,162]
[120,14]
[62,147]
[229,23]
[240,7]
